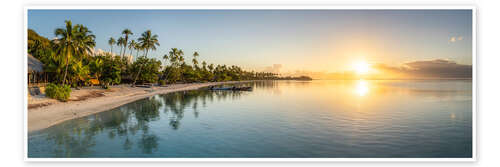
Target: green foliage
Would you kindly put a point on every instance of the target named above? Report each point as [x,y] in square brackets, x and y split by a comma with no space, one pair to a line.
[150,69]
[59,92]
[162,82]
[73,43]
[78,74]
[38,46]
[112,69]
[70,59]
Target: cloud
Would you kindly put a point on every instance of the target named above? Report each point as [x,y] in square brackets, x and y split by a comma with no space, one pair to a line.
[438,68]
[454,39]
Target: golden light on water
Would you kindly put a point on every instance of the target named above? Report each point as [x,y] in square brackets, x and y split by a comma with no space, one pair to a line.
[362,88]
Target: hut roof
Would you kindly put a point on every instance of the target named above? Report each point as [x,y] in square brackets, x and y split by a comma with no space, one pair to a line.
[34,65]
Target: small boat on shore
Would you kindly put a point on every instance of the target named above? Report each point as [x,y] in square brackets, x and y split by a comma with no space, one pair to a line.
[234,88]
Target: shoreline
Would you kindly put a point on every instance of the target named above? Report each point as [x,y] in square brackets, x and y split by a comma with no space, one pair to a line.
[56,112]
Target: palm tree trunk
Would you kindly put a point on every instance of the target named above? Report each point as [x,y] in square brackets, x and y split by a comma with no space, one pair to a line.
[124,50]
[137,54]
[121,49]
[66,69]
[140,69]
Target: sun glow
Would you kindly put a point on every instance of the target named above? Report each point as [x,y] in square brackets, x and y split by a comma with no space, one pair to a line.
[362,88]
[362,67]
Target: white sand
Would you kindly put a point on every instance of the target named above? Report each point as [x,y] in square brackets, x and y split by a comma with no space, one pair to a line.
[55,112]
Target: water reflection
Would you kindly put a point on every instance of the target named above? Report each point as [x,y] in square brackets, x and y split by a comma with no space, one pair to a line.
[362,88]
[128,122]
[355,118]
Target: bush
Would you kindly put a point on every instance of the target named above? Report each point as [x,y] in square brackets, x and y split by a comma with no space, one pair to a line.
[163,82]
[59,92]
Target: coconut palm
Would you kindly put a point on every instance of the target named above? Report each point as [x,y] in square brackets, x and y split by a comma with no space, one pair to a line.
[85,41]
[66,46]
[137,48]
[120,42]
[132,46]
[195,62]
[73,41]
[126,32]
[204,64]
[111,42]
[148,42]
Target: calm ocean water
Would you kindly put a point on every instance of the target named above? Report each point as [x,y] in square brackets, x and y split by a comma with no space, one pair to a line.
[320,118]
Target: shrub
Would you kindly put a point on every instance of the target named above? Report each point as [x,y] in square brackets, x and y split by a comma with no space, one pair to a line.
[59,92]
[163,82]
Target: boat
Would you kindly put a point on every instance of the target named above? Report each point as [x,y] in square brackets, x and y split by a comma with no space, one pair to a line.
[234,88]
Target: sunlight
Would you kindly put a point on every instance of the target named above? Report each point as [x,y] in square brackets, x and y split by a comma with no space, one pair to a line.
[361,67]
[362,88]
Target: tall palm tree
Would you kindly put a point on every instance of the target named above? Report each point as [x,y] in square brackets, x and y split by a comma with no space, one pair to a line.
[85,41]
[195,62]
[126,32]
[204,64]
[120,43]
[137,48]
[174,56]
[111,42]
[148,42]
[177,53]
[73,41]
[131,46]
[66,44]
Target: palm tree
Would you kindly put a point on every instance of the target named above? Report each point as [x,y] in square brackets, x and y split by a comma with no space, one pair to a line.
[120,43]
[85,41]
[204,64]
[111,42]
[147,42]
[132,46]
[138,48]
[73,41]
[195,62]
[126,32]
[177,54]
[66,44]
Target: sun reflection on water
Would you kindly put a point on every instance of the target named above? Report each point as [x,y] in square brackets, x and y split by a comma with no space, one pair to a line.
[362,88]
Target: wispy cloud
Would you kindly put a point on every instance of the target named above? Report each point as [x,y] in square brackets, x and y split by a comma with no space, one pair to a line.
[422,69]
[438,68]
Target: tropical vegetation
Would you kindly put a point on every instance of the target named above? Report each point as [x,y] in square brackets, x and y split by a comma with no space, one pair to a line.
[70,60]
[59,92]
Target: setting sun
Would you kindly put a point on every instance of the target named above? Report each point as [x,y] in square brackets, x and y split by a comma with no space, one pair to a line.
[361,67]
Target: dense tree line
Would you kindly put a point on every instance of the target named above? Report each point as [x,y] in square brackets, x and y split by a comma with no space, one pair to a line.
[70,59]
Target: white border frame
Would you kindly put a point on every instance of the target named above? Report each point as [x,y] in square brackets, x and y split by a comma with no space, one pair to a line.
[258,7]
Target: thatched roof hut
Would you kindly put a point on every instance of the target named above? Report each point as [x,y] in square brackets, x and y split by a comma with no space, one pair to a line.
[34,65]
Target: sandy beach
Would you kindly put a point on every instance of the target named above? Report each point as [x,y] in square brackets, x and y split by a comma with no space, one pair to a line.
[44,112]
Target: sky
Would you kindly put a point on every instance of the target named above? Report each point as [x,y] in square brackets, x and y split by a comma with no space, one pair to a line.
[307,40]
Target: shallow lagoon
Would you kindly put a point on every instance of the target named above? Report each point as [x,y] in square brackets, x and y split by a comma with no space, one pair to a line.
[320,118]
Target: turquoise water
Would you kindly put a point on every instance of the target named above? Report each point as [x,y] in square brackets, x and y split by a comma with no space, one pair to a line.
[320,118]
